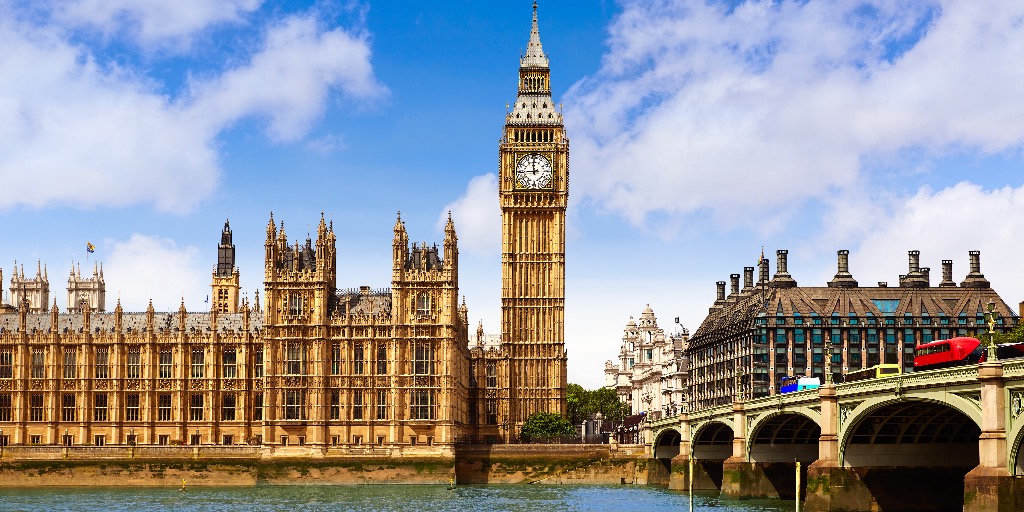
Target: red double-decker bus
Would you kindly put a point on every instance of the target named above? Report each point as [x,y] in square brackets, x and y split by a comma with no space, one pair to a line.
[948,353]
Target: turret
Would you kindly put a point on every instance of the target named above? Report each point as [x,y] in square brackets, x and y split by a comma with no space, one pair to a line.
[451,247]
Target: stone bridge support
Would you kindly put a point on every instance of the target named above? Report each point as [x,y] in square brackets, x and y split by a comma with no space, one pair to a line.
[990,487]
[741,478]
[830,486]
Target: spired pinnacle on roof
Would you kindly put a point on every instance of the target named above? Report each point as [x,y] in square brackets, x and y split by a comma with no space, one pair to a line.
[534,56]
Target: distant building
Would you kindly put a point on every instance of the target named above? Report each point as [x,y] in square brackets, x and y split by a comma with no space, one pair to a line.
[773,328]
[650,375]
[87,292]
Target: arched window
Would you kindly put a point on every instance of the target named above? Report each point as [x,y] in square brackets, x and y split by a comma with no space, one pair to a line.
[423,304]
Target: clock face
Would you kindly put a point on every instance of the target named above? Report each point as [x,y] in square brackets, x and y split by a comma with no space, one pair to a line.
[533,171]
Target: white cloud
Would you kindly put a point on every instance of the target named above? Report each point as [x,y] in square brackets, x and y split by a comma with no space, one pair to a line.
[79,133]
[946,224]
[746,114]
[476,216]
[74,133]
[288,81]
[148,267]
[150,22]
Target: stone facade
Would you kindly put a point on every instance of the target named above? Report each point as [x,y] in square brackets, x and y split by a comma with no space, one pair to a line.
[313,365]
[773,328]
[650,375]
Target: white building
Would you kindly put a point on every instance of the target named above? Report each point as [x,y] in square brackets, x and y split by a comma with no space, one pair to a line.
[650,376]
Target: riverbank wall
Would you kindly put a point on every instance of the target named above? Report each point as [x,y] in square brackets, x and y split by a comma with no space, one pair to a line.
[254,465]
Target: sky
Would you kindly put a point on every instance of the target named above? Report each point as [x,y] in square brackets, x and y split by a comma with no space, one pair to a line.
[701,132]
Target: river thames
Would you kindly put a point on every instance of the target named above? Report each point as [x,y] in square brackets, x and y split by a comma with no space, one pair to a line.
[371,497]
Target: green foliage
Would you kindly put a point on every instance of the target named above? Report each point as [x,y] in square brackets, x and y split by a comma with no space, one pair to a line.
[541,426]
[583,403]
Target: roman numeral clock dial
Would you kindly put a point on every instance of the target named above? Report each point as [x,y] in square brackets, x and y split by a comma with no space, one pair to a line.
[533,171]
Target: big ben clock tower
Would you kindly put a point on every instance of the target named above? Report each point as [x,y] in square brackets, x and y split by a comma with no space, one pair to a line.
[533,191]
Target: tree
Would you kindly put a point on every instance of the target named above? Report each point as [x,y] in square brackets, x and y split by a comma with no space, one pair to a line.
[582,404]
[544,426]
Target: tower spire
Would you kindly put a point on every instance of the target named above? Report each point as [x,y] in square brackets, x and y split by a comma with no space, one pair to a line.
[534,56]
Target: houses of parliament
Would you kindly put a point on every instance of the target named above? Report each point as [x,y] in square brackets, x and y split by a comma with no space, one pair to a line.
[312,364]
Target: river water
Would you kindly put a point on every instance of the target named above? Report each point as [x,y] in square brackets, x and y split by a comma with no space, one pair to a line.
[544,498]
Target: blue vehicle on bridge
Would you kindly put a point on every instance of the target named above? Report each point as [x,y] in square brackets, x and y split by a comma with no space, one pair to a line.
[790,384]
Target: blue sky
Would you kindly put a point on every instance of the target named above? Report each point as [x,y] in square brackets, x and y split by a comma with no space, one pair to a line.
[700,132]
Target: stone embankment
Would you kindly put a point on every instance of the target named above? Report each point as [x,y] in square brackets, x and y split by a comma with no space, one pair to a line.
[253,465]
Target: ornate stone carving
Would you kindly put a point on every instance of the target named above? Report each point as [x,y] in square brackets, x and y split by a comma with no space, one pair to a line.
[131,385]
[228,384]
[844,413]
[100,384]
[165,384]
[1016,403]
[197,384]
[69,384]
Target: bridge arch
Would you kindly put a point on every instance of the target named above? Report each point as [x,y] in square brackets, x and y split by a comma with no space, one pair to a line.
[666,443]
[912,452]
[1015,436]
[781,436]
[712,440]
[850,420]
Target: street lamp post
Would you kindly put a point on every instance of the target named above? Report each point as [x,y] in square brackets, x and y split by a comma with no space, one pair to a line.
[131,442]
[990,318]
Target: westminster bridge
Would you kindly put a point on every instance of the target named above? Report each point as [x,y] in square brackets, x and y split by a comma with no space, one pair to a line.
[935,440]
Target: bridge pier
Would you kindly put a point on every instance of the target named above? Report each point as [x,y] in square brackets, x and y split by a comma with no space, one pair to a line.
[990,487]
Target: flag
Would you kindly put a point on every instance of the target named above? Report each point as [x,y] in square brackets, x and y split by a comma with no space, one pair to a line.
[207,299]
[90,247]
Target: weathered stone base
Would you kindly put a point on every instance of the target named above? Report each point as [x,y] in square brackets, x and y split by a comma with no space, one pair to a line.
[168,466]
[989,491]
[707,474]
[753,480]
[904,488]
[224,472]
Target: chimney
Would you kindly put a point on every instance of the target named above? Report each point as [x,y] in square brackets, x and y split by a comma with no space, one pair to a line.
[762,277]
[883,284]
[947,274]
[843,278]
[782,278]
[719,297]
[748,278]
[975,279]
[926,275]
[734,282]
[914,278]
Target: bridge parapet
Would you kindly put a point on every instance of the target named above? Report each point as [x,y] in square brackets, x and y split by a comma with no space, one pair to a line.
[916,380]
[1014,369]
[713,412]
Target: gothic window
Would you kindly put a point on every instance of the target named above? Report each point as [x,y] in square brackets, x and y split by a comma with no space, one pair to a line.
[230,359]
[492,412]
[293,402]
[131,407]
[423,359]
[102,362]
[335,405]
[70,363]
[257,406]
[423,304]
[196,407]
[134,368]
[295,305]
[6,363]
[357,405]
[166,363]
[36,411]
[422,405]
[357,359]
[163,408]
[382,405]
[227,407]
[293,358]
[68,407]
[335,359]
[198,363]
[5,407]
[38,363]
[257,364]
[99,407]
[382,360]
[492,374]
